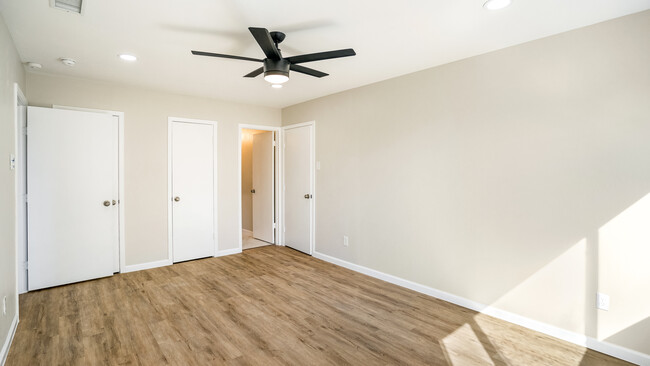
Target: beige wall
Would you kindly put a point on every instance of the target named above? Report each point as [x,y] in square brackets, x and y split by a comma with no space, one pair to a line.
[517,178]
[11,71]
[247,179]
[145,145]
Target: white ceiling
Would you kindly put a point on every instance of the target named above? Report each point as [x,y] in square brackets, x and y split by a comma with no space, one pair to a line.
[391,38]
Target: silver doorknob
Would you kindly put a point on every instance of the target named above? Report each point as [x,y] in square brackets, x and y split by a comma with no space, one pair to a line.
[114,202]
[107,203]
[308,196]
[176,199]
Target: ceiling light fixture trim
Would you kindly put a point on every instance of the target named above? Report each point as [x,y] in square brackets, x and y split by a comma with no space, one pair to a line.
[68,61]
[496,4]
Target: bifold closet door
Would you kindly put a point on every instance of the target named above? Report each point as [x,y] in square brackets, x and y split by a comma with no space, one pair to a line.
[298,196]
[263,174]
[72,193]
[192,190]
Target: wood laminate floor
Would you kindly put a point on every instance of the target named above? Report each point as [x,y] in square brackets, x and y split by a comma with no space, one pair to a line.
[267,306]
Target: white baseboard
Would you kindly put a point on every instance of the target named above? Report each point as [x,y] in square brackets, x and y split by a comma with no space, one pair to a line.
[551,330]
[222,253]
[149,265]
[10,337]
[247,231]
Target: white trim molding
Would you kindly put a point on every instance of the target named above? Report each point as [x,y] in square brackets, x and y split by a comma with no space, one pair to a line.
[10,337]
[148,265]
[20,179]
[225,252]
[551,330]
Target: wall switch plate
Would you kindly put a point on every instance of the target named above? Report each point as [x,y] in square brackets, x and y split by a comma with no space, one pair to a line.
[345,241]
[12,162]
[4,305]
[318,165]
[602,301]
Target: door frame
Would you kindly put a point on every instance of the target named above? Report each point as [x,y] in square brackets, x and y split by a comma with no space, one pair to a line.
[20,173]
[277,180]
[312,172]
[120,173]
[170,193]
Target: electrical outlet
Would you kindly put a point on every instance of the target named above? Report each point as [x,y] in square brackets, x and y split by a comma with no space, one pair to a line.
[345,241]
[602,301]
[4,305]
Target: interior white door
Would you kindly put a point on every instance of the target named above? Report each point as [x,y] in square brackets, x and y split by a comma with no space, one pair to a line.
[298,195]
[263,174]
[72,189]
[192,191]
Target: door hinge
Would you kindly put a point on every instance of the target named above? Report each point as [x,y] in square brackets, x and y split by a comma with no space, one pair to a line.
[274,144]
[274,225]
[25,131]
[26,199]
[26,265]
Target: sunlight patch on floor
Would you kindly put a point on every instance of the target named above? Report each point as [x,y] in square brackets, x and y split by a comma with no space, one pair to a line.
[462,347]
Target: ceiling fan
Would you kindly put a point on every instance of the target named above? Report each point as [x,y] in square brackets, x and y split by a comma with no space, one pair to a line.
[276,68]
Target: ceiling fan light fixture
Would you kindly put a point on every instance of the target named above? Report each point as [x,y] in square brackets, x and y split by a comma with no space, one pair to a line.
[276,77]
[496,4]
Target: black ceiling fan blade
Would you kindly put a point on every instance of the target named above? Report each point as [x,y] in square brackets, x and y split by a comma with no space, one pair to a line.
[263,38]
[254,73]
[210,54]
[307,71]
[321,56]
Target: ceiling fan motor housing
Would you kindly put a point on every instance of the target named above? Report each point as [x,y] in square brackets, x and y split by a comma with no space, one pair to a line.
[276,67]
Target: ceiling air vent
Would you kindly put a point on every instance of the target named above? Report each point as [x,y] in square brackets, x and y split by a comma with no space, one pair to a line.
[73,6]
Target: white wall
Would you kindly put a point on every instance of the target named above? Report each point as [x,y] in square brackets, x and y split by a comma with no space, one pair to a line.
[11,71]
[145,145]
[518,178]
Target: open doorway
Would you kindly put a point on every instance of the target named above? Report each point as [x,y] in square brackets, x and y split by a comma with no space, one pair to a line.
[258,187]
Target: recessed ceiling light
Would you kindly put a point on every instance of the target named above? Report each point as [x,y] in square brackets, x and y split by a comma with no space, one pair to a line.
[68,61]
[496,4]
[127,57]
[276,86]
[34,65]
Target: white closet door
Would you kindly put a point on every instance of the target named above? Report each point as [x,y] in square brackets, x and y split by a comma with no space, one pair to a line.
[263,207]
[192,191]
[298,185]
[72,189]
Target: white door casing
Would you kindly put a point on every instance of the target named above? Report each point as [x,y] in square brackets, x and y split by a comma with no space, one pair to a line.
[72,184]
[299,187]
[192,188]
[21,189]
[263,177]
